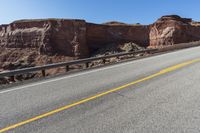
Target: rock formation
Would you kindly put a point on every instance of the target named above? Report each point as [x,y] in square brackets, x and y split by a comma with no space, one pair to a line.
[40,42]
[66,37]
[170,30]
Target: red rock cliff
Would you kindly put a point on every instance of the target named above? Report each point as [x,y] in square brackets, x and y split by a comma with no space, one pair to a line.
[169,30]
[66,37]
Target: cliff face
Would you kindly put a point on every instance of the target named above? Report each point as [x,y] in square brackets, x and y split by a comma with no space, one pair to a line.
[170,30]
[99,36]
[74,38]
[66,37]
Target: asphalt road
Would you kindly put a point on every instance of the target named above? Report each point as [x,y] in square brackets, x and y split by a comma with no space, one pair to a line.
[165,103]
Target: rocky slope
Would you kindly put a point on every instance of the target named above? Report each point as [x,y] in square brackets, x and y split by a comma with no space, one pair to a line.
[98,36]
[28,43]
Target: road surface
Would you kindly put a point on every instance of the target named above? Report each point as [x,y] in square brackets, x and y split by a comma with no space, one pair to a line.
[159,94]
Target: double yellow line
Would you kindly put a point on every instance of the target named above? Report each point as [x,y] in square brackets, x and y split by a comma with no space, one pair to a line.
[167,70]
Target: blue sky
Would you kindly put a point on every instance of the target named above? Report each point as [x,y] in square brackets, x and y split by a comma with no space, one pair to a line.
[98,11]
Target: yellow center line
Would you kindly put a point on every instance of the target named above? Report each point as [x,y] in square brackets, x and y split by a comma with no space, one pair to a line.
[164,71]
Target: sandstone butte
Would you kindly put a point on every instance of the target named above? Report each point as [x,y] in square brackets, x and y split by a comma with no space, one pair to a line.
[39,42]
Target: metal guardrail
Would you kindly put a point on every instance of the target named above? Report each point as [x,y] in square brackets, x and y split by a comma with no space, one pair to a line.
[86,61]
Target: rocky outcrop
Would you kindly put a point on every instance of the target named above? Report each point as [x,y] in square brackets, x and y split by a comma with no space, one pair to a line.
[66,37]
[170,30]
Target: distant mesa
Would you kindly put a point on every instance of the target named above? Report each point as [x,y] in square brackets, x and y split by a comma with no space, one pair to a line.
[118,23]
[114,23]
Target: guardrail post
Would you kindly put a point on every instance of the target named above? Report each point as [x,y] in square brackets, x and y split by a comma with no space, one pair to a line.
[104,61]
[87,64]
[43,73]
[12,78]
[67,68]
